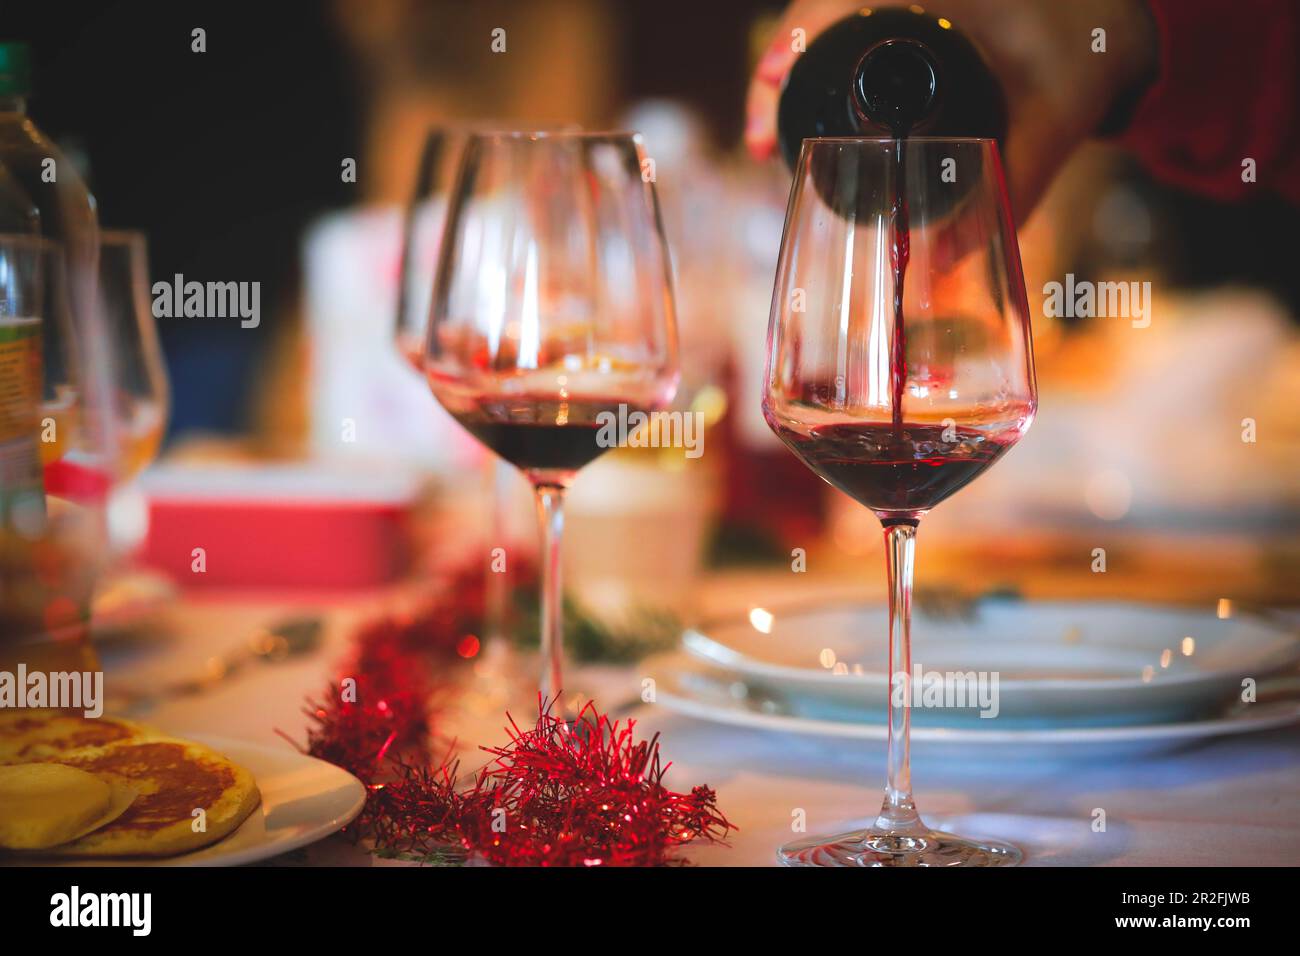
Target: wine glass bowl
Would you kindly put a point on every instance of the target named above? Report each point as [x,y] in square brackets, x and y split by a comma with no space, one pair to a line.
[899,444]
[899,368]
[140,399]
[552,311]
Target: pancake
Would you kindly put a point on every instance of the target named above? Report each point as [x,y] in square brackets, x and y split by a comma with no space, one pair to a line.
[45,804]
[35,735]
[170,777]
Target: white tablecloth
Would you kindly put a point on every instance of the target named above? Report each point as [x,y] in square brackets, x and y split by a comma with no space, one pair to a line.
[1233,800]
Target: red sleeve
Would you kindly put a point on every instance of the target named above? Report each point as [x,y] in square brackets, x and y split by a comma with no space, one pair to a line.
[1227,89]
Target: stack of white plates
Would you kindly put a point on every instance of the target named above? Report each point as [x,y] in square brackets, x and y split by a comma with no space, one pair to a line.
[1043,678]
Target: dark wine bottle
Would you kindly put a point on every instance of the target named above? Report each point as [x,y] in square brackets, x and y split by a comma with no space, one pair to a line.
[892,72]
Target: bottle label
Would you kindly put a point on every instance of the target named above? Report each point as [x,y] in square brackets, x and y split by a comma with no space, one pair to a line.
[22,492]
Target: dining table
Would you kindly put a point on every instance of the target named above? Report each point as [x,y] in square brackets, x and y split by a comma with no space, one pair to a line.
[1232,800]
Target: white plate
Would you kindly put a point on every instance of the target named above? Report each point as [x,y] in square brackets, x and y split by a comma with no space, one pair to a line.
[692,687]
[303,800]
[1057,663]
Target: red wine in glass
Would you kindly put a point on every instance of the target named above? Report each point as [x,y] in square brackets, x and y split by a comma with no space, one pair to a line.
[897,470]
[540,434]
[900,252]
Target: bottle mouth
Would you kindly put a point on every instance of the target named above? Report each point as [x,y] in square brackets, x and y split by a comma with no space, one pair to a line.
[896,84]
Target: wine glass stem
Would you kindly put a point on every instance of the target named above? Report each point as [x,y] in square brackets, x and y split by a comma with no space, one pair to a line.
[550,515]
[898,813]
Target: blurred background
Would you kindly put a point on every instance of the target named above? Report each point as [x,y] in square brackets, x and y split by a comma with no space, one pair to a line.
[230,162]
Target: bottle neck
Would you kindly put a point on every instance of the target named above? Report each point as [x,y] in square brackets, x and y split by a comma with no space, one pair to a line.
[896,85]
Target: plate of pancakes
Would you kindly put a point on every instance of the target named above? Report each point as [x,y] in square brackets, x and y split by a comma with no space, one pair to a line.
[108,791]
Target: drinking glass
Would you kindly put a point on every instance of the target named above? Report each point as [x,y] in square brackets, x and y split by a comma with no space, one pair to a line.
[552,315]
[140,398]
[899,367]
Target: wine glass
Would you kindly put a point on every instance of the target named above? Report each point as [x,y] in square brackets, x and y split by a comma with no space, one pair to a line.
[138,397]
[900,367]
[139,379]
[552,315]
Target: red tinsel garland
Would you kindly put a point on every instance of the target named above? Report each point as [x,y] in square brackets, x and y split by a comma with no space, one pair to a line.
[583,792]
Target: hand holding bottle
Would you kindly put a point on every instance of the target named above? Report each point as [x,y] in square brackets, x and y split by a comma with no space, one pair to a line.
[1058,91]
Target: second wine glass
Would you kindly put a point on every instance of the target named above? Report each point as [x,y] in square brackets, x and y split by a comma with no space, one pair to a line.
[900,367]
[141,395]
[552,316]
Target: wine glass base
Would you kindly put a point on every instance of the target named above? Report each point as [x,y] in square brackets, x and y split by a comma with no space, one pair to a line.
[923,848]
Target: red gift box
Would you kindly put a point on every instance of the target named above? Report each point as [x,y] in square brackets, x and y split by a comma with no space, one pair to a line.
[285,527]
